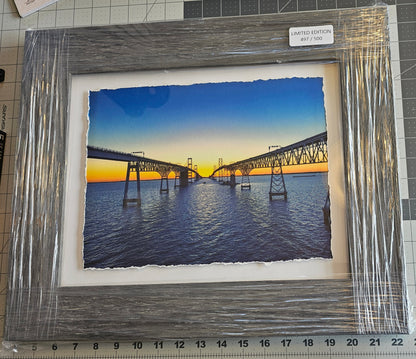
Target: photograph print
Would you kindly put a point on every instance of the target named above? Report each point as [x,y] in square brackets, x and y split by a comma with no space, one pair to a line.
[221,172]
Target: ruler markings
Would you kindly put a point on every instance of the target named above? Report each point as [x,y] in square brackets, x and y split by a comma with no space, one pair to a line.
[384,349]
[105,350]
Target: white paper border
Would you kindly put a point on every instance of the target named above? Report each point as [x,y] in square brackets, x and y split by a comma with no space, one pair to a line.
[72,272]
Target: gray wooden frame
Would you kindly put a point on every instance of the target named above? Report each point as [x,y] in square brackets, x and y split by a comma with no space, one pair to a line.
[373,300]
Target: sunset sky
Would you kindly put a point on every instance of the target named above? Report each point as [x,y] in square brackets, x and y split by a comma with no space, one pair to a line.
[233,120]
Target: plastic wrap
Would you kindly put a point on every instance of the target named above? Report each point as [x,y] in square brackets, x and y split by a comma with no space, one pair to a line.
[372,299]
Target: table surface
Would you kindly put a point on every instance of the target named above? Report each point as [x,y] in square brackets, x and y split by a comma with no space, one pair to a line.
[74,13]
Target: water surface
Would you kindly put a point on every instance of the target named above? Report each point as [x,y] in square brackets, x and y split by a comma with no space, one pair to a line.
[205,222]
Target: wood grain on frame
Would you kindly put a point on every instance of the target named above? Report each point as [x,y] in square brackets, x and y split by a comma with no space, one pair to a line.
[373,301]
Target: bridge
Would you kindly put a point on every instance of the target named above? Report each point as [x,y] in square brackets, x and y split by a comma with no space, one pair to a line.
[308,151]
[183,174]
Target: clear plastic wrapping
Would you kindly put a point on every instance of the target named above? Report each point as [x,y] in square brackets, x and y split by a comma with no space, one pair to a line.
[371,298]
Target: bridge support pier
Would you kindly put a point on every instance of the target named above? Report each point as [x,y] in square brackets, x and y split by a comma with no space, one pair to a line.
[245,179]
[232,180]
[132,167]
[177,180]
[164,183]
[183,179]
[277,182]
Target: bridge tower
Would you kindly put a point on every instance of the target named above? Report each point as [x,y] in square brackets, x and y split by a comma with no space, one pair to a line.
[277,182]
[221,171]
[190,173]
[196,170]
[132,167]
[245,178]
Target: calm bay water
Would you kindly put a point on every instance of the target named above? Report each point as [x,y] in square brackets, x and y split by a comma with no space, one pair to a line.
[205,223]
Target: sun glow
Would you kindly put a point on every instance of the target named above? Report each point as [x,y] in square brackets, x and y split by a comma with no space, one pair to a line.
[205,122]
[114,171]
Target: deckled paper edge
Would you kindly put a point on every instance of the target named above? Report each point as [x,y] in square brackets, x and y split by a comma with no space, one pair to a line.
[72,273]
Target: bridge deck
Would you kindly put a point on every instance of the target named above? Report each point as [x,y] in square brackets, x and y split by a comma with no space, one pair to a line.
[146,164]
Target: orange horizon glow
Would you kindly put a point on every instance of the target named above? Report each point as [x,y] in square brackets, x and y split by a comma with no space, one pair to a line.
[113,171]
[204,122]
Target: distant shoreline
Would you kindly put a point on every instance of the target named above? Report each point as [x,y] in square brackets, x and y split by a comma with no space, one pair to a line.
[299,174]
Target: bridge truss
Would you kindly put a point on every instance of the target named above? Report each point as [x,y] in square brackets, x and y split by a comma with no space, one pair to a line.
[143,164]
[308,151]
[311,150]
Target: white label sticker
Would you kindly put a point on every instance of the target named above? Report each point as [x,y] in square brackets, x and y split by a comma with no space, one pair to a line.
[311,35]
[27,7]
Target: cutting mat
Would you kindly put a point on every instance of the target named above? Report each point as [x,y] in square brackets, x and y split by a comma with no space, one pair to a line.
[73,13]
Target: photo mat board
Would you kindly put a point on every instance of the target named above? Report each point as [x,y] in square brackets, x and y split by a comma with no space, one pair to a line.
[371,300]
[326,259]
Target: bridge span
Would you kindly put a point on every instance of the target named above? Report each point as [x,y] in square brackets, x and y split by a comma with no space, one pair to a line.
[183,174]
[308,151]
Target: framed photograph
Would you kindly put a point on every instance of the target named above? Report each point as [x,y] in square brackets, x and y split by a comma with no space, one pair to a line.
[204,112]
[196,173]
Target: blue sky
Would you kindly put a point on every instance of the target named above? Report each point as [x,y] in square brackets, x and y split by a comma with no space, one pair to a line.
[232,120]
